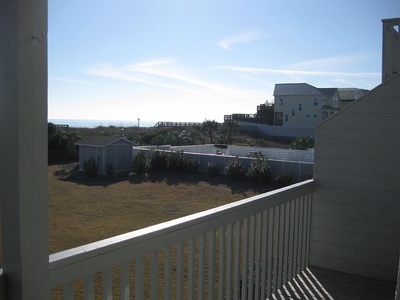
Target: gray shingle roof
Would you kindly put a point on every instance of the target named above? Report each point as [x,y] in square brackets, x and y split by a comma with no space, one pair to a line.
[100,140]
[328,91]
[297,89]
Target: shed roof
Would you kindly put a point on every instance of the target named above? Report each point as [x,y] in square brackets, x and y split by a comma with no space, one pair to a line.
[101,140]
[296,89]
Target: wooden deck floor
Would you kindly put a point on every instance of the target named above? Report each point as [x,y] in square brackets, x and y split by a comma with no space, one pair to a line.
[317,283]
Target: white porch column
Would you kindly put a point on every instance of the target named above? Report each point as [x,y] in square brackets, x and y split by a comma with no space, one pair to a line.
[23,148]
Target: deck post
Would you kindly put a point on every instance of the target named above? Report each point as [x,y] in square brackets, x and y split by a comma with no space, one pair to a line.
[23,151]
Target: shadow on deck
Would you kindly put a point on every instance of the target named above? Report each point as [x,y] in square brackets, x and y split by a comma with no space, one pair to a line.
[317,283]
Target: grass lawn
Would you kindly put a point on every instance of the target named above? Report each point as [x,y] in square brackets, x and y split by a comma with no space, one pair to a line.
[83,210]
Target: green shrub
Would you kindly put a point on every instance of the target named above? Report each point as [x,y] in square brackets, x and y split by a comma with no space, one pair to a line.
[302,143]
[158,161]
[260,170]
[110,170]
[90,167]
[140,163]
[179,161]
[213,169]
[235,169]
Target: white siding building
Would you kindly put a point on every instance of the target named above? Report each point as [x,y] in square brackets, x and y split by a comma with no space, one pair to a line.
[303,105]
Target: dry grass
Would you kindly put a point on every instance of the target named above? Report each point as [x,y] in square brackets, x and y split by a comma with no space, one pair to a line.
[83,210]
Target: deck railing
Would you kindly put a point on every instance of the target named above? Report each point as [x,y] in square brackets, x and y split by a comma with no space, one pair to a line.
[244,250]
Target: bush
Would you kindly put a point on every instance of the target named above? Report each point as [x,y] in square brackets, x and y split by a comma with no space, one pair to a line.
[110,170]
[259,170]
[235,169]
[140,163]
[213,169]
[179,161]
[158,161]
[90,167]
[302,143]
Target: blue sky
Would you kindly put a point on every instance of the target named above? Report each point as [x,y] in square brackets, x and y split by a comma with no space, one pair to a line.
[194,60]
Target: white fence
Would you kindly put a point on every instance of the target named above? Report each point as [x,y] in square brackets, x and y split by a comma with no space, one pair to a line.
[244,250]
[245,151]
[297,163]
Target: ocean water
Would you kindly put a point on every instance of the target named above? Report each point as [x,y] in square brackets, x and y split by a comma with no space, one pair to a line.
[94,123]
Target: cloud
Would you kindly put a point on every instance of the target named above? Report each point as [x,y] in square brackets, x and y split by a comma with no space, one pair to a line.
[167,70]
[165,73]
[134,73]
[297,72]
[329,62]
[242,38]
[176,91]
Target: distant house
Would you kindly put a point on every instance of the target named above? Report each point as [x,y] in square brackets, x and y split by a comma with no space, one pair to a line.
[302,105]
[114,150]
[348,95]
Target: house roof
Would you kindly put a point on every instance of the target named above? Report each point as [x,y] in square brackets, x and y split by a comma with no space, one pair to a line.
[297,89]
[328,91]
[294,89]
[101,140]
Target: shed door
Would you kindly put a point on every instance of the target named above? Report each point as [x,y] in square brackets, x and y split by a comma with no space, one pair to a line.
[111,157]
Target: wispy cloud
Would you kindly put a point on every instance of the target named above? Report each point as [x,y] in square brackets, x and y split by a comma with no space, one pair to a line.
[336,68]
[167,70]
[164,73]
[296,72]
[329,62]
[164,83]
[131,73]
[241,38]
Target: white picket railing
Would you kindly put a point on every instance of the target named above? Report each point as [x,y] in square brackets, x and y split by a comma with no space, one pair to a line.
[241,250]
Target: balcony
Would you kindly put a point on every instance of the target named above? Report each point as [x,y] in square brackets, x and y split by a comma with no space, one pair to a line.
[252,249]
[256,248]
[244,250]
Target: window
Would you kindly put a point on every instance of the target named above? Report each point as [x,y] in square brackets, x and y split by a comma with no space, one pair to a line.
[307,116]
[293,112]
[315,101]
[281,102]
[315,116]
[286,117]
[300,106]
